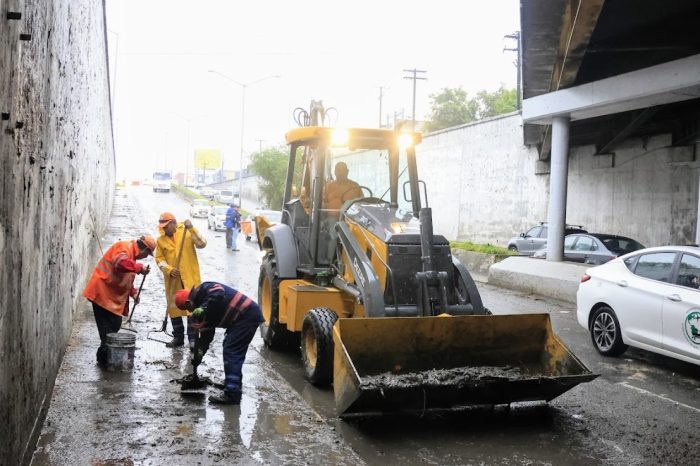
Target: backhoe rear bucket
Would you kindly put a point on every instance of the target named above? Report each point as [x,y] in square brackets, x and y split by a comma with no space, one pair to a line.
[424,363]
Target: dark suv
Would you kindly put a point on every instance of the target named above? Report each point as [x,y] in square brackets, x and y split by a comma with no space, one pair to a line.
[536,237]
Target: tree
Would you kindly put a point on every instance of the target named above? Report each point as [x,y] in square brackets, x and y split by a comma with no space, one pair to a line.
[453,107]
[450,107]
[271,166]
[496,103]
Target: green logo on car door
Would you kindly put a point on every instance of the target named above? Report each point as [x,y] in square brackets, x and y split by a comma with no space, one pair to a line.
[691,327]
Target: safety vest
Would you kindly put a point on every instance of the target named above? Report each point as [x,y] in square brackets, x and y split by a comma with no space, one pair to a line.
[108,288]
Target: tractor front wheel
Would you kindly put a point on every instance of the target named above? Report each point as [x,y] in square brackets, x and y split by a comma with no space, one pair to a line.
[317,345]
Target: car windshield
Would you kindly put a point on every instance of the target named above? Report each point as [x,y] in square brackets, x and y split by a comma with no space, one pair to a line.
[161,176]
[221,210]
[619,244]
[200,202]
[227,193]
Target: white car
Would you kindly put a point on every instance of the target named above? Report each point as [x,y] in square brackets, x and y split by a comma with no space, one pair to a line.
[207,192]
[273,217]
[648,299]
[217,218]
[199,208]
[225,197]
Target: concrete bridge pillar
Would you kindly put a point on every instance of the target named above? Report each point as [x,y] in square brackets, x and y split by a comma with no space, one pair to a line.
[559,171]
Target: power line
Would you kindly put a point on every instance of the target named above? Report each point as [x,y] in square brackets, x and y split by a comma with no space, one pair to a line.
[414,77]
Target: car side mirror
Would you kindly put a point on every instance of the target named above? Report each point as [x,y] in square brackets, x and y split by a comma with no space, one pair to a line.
[522,235]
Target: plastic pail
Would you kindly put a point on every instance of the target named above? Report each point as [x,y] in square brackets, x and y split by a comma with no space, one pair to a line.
[120,354]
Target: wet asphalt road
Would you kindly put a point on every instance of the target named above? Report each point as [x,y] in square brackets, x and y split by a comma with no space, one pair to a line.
[643,409]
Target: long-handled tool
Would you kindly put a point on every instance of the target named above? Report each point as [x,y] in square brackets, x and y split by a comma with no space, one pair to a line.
[136,301]
[177,266]
[193,384]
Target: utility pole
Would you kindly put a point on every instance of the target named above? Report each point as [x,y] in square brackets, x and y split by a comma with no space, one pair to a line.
[516,37]
[260,141]
[381,96]
[415,77]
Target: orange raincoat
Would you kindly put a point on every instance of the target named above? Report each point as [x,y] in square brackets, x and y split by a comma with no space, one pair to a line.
[167,251]
[109,288]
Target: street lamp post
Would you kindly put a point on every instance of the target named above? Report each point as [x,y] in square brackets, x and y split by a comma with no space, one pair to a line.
[244,86]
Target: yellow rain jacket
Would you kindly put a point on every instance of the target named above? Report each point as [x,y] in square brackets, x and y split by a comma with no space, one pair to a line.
[167,251]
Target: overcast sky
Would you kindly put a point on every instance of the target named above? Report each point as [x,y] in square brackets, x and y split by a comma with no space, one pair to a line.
[339,52]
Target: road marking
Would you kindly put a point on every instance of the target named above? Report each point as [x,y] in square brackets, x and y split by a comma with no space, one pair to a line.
[647,392]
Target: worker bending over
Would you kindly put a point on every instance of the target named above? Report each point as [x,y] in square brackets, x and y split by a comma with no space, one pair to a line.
[216,305]
[111,284]
[177,259]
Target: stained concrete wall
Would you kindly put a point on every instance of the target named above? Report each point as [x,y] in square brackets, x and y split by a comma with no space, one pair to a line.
[485,186]
[481,180]
[57,165]
[647,190]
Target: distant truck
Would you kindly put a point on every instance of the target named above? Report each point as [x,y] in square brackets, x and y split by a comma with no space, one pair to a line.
[161,182]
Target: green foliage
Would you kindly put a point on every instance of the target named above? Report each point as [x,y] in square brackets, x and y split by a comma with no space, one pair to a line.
[450,107]
[496,103]
[453,106]
[483,248]
[271,166]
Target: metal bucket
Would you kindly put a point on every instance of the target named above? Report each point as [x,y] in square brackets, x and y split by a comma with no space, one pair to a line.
[424,363]
[120,351]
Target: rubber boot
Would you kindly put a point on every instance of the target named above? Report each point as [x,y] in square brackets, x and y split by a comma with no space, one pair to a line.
[225,399]
[176,342]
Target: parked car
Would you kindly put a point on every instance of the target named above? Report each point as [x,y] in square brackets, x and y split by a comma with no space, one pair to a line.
[648,299]
[199,208]
[207,192]
[217,218]
[536,237]
[273,217]
[593,248]
[225,196]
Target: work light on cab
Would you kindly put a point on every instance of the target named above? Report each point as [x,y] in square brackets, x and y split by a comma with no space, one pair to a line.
[340,137]
[405,141]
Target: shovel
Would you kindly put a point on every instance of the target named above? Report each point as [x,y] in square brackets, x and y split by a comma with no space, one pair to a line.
[193,384]
[136,300]
[165,319]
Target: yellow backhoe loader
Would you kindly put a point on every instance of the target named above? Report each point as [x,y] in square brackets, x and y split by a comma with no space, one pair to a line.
[378,304]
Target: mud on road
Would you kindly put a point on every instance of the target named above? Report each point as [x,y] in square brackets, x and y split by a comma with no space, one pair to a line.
[104,418]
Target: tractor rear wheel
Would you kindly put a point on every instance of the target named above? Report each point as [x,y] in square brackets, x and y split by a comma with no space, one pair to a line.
[317,345]
[466,290]
[273,332]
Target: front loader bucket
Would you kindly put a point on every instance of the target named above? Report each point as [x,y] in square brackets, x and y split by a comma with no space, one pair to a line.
[425,363]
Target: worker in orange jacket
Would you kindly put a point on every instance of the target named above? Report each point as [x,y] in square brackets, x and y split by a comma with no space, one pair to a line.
[112,283]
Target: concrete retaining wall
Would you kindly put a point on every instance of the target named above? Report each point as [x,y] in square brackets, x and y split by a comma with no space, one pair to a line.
[477,263]
[484,186]
[57,186]
[558,280]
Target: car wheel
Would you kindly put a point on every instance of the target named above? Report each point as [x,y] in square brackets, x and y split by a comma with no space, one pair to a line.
[606,333]
[513,248]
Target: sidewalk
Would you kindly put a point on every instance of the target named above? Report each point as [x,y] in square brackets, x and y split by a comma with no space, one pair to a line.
[558,280]
[104,418]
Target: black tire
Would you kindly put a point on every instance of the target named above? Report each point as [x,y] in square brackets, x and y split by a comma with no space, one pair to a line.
[467,292]
[274,334]
[317,345]
[513,248]
[605,332]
